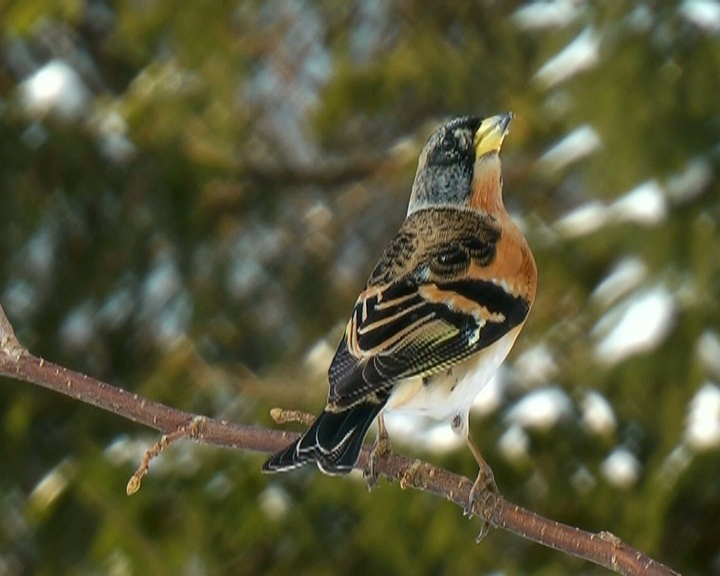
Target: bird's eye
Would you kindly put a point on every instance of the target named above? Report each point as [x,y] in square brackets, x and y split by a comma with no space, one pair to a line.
[448,142]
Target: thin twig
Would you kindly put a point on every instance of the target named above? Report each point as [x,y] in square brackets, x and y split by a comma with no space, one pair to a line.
[191,431]
[282,416]
[603,549]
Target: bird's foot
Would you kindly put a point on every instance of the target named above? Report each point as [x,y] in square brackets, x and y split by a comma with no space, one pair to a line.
[483,487]
[483,494]
[381,449]
[413,475]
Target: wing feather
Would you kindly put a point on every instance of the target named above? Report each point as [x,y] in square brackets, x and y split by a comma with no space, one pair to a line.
[422,311]
[398,333]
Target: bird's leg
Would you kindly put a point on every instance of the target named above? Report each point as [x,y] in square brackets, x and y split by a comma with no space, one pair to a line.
[485,478]
[483,486]
[380,449]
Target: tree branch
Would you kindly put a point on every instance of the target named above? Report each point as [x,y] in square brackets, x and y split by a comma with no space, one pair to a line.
[603,549]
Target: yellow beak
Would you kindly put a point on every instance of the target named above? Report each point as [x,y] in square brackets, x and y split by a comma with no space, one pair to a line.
[489,137]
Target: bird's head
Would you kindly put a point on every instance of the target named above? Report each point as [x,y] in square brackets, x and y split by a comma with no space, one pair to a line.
[454,156]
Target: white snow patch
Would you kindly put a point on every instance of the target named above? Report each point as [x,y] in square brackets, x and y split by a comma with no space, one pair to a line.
[598,416]
[578,144]
[635,327]
[703,422]
[541,409]
[581,54]
[621,468]
[627,275]
[55,88]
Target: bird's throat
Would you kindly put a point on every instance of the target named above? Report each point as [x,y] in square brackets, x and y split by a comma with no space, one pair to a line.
[486,194]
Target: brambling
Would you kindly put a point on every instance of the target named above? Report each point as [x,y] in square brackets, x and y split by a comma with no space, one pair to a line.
[440,311]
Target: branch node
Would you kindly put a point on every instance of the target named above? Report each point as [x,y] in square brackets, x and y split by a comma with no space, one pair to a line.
[610,537]
[9,344]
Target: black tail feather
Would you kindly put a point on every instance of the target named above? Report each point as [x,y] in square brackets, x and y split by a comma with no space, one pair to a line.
[333,441]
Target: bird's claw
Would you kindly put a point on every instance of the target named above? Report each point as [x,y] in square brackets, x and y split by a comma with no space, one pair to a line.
[484,529]
[482,494]
[381,449]
[412,475]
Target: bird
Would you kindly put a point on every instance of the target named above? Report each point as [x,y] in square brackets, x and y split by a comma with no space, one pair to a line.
[440,311]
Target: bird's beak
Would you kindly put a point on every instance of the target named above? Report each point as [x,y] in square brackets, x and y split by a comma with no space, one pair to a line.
[489,137]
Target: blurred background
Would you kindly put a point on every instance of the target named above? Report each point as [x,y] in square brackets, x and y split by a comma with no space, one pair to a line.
[193,194]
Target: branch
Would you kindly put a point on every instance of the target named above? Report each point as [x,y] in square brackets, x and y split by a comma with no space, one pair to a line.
[603,549]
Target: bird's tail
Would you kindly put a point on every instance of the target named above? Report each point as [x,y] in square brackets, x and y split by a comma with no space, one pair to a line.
[333,441]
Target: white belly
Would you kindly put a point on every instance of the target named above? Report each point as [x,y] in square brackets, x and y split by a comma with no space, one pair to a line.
[449,395]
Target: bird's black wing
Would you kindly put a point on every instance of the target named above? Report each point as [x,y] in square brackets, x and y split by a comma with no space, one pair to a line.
[414,327]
